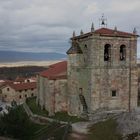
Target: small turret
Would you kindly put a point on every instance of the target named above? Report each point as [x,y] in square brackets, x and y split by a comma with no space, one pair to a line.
[92,27]
[115,28]
[73,34]
[75,48]
[81,33]
[135,31]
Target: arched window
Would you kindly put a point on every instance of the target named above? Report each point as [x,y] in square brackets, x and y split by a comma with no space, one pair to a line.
[122,52]
[107,52]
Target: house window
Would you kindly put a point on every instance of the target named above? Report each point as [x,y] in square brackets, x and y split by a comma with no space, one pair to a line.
[25,90]
[33,89]
[8,89]
[122,53]
[25,95]
[20,97]
[20,90]
[32,94]
[114,93]
[107,52]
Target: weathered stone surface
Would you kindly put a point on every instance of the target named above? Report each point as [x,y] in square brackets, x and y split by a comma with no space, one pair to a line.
[105,85]
[52,94]
[98,78]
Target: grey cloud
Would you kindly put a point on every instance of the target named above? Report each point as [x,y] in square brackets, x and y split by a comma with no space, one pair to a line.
[47,25]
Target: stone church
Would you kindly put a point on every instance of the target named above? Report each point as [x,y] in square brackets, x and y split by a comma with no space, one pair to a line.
[100,74]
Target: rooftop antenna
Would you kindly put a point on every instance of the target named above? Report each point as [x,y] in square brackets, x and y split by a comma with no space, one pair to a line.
[103,21]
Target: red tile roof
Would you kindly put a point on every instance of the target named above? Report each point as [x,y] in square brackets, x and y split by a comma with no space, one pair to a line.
[56,71]
[106,32]
[20,79]
[22,86]
[6,82]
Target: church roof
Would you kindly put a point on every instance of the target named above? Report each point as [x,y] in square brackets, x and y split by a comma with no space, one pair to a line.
[106,32]
[75,48]
[56,71]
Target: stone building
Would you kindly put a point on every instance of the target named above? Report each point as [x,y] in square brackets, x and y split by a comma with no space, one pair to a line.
[101,74]
[52,88]
[102,71]
[10,92]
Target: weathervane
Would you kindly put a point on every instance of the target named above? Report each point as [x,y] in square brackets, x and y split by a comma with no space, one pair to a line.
[103,21]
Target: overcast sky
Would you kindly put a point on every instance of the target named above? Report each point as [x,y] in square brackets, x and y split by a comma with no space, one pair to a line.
[47,25]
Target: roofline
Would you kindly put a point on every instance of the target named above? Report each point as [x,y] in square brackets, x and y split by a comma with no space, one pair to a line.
[10,85]
[114,35]
[60,77]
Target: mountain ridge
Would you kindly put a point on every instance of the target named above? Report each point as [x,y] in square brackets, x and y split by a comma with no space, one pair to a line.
[15,56]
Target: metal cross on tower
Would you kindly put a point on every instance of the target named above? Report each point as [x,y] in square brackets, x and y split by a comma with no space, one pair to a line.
[103,21]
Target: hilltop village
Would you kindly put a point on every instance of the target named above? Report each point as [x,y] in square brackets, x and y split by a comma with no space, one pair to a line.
[99,75]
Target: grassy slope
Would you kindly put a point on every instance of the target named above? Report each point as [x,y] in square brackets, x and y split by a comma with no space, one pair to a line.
[17,125]
[63,116]
[104,131]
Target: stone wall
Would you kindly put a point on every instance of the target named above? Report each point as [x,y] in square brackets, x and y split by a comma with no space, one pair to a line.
[99,78]
[18,96]
[52,94]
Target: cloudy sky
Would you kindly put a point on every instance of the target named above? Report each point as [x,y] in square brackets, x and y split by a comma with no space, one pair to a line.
[47,25]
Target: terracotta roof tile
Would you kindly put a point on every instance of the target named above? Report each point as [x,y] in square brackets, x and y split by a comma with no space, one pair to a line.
[56,71]
[23,86]
[106,32]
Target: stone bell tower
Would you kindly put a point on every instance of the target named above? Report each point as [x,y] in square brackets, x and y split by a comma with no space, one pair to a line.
[102,71]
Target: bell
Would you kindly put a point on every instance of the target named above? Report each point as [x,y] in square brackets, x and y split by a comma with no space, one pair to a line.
[103,23]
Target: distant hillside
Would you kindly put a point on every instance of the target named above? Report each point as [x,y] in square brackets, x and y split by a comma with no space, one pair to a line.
[13,56]
[26,71]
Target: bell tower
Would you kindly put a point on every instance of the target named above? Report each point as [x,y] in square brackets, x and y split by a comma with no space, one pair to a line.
[102,69]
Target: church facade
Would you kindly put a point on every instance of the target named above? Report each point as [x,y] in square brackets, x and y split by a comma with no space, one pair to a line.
[101,72]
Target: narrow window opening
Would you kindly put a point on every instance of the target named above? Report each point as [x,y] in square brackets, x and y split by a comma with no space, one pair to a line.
[20,97]
[107,52]
[114,93]
[122,52]
[85,46]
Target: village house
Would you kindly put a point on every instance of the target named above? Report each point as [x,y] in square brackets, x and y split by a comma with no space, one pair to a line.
[18,92]
[100,74]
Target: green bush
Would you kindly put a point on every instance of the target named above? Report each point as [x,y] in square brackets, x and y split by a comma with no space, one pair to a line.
[16,124]
[62,116]
[31,102]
